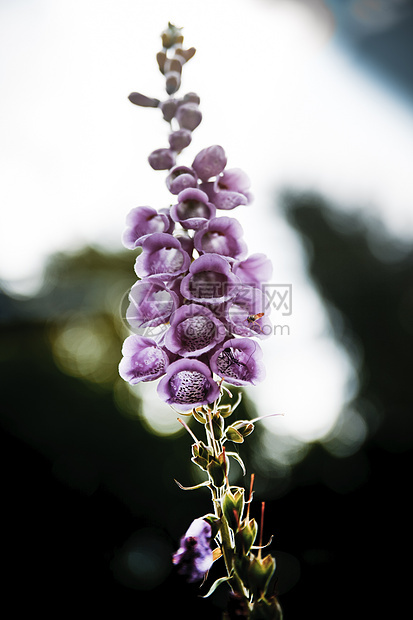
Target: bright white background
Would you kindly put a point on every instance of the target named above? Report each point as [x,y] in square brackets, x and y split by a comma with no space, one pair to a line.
[276,92]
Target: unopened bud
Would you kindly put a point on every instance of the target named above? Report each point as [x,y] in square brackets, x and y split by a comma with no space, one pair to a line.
[173,82]
[259,574]
[162,159]
[245,536]
[188,116]
[233,506]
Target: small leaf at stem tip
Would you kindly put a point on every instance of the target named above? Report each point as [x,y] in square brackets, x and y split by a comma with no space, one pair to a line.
[197,486]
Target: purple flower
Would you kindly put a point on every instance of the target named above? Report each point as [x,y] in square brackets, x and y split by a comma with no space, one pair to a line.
[180,178]
[221,235]
[246,313]
[193,209]
[143,221]
[193,330]
[194,556]
[151,304]
[143,360]
[162,256]
[209,162]
[210,280]
[188,383]
[239,362]
[229,190]
[255,270]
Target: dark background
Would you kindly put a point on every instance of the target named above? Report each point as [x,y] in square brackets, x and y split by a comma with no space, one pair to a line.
[91,514]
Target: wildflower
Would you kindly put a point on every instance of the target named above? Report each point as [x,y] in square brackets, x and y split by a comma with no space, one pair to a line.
[231,189]
[187,384]
[162,256]
[210,280]
[143,221]
[180,178]
[246,313]
[221,235]
[194,330]
[151,304]
[193,209]
[194,556]
[143,360]
[239,362]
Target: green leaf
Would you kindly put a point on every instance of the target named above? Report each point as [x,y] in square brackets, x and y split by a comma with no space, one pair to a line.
[239,460]
[215,585]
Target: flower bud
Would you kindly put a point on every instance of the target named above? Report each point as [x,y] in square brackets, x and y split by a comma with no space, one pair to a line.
[217,472]
[143,100]
[173,82]
[259,574]
[245,536]
[162,159]
[201,455]
[180,139]
[210,161]
[192,97]
[188,116]
[169,108]
[171,36]
[180,178]
[266,609]
[233,506]
[244,427]
[217,425]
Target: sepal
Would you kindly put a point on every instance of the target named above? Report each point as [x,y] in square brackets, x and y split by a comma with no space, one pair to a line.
[259,574]
[233,506]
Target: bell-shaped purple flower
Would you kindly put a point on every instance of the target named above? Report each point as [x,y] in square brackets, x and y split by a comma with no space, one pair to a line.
[162,257]
[210,162]
[255,270]
[193,209]
[210,280]
[143,360]
[194,557]
[188,383]
[247,313]
[194,330]
[230,189]
[180,178]
[239,362]
[143,221]
[151,304]
[221,235]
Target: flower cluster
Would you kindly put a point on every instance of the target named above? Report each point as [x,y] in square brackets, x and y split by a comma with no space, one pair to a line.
[195,278]
[198,311]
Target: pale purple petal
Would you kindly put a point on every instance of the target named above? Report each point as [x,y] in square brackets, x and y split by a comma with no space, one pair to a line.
[210,280]
[193,209]
[194,330]
[143,221]
[194,557]
[162,257]
[151,304]
[239,362]
[188,383]
[255,270]
[221,235]
[210,162]
[143,360]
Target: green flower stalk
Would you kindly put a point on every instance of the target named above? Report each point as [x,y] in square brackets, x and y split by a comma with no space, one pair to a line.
[196,313]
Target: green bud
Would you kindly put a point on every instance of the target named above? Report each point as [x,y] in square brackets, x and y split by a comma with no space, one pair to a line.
[245,536]
[217,425]
[217,471]
[171,36]
[233,506]
[259,574]
[201,455]
[244,427]
[199,417]
[232,434]
[266,609]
